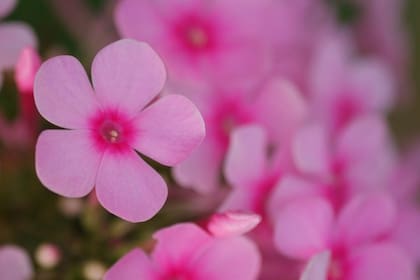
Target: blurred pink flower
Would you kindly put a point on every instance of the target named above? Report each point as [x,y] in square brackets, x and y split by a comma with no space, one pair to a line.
[106,123]
[27,66]
[14,36]
[224,111]
[360,159]
[343,86]
[212,40]
[185,251]
[353,245]
[15,263]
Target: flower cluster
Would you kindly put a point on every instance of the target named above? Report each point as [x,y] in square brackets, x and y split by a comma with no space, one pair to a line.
[268,118]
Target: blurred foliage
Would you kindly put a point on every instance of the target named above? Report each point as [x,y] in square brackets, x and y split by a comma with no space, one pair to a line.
[29,213]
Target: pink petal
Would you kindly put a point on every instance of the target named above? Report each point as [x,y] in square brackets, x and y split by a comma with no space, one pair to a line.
[26,68]
[311,151]
[302,227]
[63,94]
[232,223]
[227,259]
[6,6]
[66,162]
[282,102]
[14,38]
[134,265]
[408,230]
[291,188]
[15,263]
[246,158]
[127,75]
[177,244]
[200,171]
[317,268]
[381,261]
[366,217]
[129,188]
[169,129]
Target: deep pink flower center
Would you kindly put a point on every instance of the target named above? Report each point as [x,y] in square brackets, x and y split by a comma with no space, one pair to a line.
[194,33]
[112,130]
[338,269]
[346,108]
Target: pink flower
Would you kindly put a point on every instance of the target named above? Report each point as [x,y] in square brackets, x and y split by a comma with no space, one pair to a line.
[26,68]
[344,87]
[352,245]
[15,263]
[359,159]
[212,40]
[107,123]
[185,251]
[224,111]
[14,36]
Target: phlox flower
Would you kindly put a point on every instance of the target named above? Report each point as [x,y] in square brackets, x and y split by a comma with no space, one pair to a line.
[359,159]
[187,252]
[223,111]
[107,123]
[343,86]
[350,245]
[14,36]
[214,40]
[15,263]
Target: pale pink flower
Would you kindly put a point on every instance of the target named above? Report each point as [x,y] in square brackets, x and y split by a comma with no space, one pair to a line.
[352,245]
[343,86]
[27,66]
[224,111]
[359,159]
[14,36]
[212,40]
[185,251]
[107,123]
[15,263]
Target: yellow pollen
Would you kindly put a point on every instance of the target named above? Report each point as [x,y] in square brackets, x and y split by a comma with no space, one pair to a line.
[197,37]
[113,136]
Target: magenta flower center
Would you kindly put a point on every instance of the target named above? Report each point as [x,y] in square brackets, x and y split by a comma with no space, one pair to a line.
[112,130]
[194,34]
[338,268]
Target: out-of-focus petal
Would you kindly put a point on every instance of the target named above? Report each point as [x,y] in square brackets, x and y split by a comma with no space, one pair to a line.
[15,263]
[302,227]
[127,75]
[66,162]
[14,37]
[384,261]
[246,157]
[6,6]
[129,188]
[365,218]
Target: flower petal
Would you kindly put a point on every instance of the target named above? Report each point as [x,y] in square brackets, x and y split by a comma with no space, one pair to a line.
[246,157]
[200,171]
[14,38]
[129,188]
[177,244]
[317,268]
[366,217]
[134,265]
[282,102]
[384,261]
[6,6]
[302,227]
[311,150]
[15,263]
[63,94]
[66,162]
[227,259]
[169,129]
[127,75]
